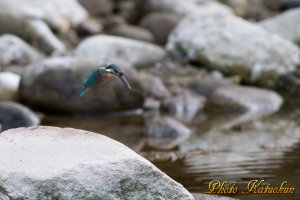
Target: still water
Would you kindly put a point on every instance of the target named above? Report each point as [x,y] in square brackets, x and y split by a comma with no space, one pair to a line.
[267,149]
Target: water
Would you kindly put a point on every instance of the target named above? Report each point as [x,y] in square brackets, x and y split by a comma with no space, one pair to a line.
[267,149]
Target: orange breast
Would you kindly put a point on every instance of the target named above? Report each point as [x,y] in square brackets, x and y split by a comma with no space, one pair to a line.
[105,78]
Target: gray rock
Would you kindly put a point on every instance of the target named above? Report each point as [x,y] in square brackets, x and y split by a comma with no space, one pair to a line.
[14,50]
[18,26]
[285,25]
[127,10]
[55,84]
[166,127]
[153,86]
[132,32]
[206,87]
[9,84]
[33,31]
[46,162]
[14,115]
[45,39]
[260,102]
[54,12]
[107,48]
[96,7]
[184,106]
[240,7]
[183,7]
[160,25]
[224,42]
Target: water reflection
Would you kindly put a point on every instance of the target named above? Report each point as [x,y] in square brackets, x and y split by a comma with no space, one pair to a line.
[266,149]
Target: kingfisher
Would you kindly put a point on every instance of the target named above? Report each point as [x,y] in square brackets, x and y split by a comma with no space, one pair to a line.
[102,75]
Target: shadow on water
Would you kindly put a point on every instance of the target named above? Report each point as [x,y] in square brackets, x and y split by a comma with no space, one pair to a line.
[267,149]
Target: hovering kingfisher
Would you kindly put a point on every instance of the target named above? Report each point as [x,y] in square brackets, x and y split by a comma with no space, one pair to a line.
[102,75]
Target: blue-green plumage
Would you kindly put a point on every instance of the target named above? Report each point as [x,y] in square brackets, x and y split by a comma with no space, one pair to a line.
[100,75]
[91,81]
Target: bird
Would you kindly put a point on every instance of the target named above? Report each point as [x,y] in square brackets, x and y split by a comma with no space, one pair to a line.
[102,75]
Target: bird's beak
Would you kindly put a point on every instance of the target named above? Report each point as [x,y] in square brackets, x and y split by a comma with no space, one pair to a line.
[110,71]
[124,80]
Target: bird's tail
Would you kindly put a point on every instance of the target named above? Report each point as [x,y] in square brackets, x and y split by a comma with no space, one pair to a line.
[82,93]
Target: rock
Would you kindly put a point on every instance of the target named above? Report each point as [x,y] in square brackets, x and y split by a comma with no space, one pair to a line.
[33,31]
[18,26]
[240,7]
[96,7]
[184,106]
[9,84]
[285,25]
[106,48]
[165,133]
[46,40]
[45,162]
[54,85]
[160,25]
[206,87]
[14,50]
[183,8]
[197,40]
[132,32]
[89,27]
[262,102]
[153,86]
[166,127]
[53,12]
[127,10]
[112,21]
[289,4]
[14,115]
[151,104]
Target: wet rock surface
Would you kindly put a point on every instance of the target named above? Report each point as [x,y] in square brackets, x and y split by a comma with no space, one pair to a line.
[46,162]
[184,106]
[13,115]
[166,127]
[196,40]
[108,48]
[55,84]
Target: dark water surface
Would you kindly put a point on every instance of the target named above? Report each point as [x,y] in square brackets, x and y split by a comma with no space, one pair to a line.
[267,149]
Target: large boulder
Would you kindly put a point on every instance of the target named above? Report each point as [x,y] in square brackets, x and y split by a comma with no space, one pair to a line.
[260,101]
[225,43]
[285,25]
[160,25]
[34,31]
[132,32]
[14,115]
[54,84]
[48,162]
[9,84]
[136,53]
[54,12]
[98,8]
[14,50]
[183,7]
[45,39]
